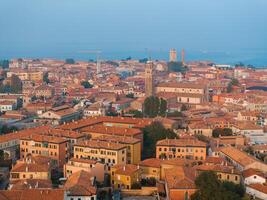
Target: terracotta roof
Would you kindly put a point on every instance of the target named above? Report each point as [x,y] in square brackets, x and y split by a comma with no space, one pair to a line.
[36,194]
[120,139]
[214,160]
[30,167]
[151,162]
[180,178]
[251,172]
[80,184]
[182,85]
[181,142]
[44,138]
[31,183]
[259,187]
[135,122]
[81,160]
[20,134]
[239,156]
[100,145]
[113,130]
[127,169]
[217,168]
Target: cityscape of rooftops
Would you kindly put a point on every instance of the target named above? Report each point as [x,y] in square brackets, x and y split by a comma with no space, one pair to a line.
[133,100]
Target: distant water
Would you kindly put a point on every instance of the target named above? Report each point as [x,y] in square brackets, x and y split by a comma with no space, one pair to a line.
[257,58]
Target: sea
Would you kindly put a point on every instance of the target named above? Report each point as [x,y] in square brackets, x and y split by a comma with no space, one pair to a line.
[254,57]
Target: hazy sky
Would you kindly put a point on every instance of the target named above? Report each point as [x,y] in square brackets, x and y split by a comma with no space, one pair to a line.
[52,26]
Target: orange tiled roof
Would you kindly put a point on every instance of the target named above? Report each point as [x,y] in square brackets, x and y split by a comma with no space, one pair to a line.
[180,178]
[44,138]
[120,139]
[251,172]
[259,187]
[81,160]
[127,170]
[101,145]
[31,183]
[80,184]
[36,194]
[136,122]
[30,167]
[181,142]
[112,130]
[182,85]
[238,156]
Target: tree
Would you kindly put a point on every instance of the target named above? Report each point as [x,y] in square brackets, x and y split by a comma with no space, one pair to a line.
[144,60]
[176,67]
[211,188]
[152,134]
[135,113]
[175,114]
[183,107]
[130,95]
[86,84]
[234,82]
[70,61]
[4,64]
[5,129]
[162,107]
[45,78]
[153,106]
[222,131]
[136,185]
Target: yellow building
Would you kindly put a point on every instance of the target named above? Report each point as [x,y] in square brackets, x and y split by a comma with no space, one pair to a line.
[133,146]
[27,75]
[224,172]
[56,148]
[31,168]
[124,176]
[106,152]
[155,167]
[95,168]
[189,148]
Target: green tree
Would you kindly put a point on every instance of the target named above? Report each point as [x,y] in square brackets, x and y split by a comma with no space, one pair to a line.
[4,64]
[162,107]
[222,131]
[234,82]
[144,60]
[153,106]
[86,84]
[70,61]
[6,129]
[135,113]
[175,114]
[176,67]
[211,188]
[130,95]
[152,134]
[45,78]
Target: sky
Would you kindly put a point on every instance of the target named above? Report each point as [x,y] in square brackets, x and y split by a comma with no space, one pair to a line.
[63,28]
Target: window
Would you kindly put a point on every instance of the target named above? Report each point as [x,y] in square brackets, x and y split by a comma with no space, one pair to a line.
[255,177]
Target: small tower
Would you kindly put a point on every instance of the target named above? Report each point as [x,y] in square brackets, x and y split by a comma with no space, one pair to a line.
[173,55]
[183,62]
[149,82]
